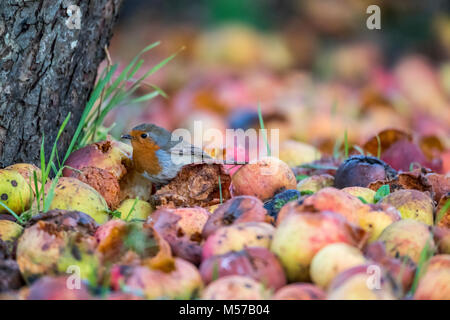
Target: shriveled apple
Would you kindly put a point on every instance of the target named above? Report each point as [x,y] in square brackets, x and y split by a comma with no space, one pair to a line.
[332,199]
[108,155]
[182,228]
[361,171]
[237,209]
[55,240]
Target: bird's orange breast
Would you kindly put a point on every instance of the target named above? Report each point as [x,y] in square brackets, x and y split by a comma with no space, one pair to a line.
[145,158]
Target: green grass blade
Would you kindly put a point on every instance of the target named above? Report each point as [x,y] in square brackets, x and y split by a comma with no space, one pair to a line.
[51,192]
[146,97]
[261,124]
[38,192]
[220,190]
[425,255]
[317,166]
[132,208]
[11,212]
[95,95]
[55,144]
[158,66]
[359,149]
[382,192]
[379,147]
[346,144]
[442,212]
[125,73]
[160,91]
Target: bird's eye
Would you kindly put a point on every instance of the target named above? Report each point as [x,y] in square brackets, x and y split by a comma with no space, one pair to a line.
[144,135]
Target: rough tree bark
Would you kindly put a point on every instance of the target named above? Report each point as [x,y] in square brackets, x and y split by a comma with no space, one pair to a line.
[48,68]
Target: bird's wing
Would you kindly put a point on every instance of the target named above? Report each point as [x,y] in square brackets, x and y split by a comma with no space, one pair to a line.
[187,153]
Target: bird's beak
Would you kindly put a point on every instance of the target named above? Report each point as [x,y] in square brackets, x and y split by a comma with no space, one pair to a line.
[126,136]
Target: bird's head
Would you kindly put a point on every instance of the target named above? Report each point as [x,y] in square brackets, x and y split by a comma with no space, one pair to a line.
[149,136]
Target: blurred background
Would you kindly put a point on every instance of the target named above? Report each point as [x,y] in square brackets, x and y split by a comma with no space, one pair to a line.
[313,66]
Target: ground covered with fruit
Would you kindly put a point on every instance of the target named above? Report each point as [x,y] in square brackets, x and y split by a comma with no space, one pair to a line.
[355,206]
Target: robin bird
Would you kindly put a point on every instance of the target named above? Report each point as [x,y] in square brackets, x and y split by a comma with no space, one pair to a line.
[159,158]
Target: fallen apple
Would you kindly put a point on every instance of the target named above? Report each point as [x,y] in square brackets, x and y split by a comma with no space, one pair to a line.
[363,193]
[263,179]
[364,282]
[134,209]
[439,261]
[58,288]
[442,239]
[103,181]
[361,171]
[299,291]
[182,228]
[235,288]
[434,284]
[315,183]
[108,155]
[236,210]
[54,240]
[310,232]
[401,270]
[374,218]
[27,171]
[72,194]
[9,233]
[237,237]
[123,242]
[402,153]
[332,199]
[412,204]
[183,282]
[333,259]
[10,277]
[295,153]
[15,193]
[407,238]
[257,263]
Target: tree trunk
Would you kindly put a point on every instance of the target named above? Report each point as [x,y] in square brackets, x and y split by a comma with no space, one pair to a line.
[48,67]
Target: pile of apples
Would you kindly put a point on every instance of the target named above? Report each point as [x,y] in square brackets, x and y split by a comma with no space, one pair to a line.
[360,230]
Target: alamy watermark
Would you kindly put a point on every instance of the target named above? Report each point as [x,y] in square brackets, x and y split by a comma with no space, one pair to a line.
[373,282]
[73,281]
[236,146]
[373,22]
